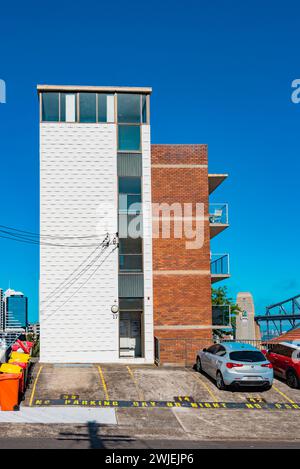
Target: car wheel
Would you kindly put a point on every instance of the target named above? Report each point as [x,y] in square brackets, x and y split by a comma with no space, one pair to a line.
[292,380]
[198,365]
[220,381]
[268,387]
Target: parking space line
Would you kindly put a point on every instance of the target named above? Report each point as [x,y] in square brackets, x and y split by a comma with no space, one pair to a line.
[103,383]
[212,395]
[139,390]
[34,386]
[283,395]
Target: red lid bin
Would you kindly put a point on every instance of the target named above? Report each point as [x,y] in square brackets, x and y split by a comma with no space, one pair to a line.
[9,391]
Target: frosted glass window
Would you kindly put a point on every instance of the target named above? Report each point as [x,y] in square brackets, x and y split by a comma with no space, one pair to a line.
[110,108]
[106,108]
[68,107]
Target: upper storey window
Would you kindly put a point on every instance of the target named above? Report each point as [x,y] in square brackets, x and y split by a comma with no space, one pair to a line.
[50,107]
[132,108]
[87,107]
[78,107]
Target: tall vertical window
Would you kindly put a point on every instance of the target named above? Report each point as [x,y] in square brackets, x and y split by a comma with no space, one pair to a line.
[50,107]
[129,137]
[87,107]
[106,108]
[68,107]
[129,108]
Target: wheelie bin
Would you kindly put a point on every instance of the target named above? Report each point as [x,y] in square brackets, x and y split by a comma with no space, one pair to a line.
[9,391]
[24,368]
[20,357]
[14,368]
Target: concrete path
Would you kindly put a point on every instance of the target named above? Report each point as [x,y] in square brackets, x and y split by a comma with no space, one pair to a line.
[56,415]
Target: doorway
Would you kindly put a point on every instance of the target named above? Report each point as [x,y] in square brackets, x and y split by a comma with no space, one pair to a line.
[130,333]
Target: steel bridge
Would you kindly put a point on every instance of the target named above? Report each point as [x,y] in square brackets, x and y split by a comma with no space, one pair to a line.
[280,313]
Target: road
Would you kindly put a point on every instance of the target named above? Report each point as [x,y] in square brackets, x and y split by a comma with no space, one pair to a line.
[119,444]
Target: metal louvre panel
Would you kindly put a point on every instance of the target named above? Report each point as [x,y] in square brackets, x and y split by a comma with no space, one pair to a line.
[131,285]
[130,164]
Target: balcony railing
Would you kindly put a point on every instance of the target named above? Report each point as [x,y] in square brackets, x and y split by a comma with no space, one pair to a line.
[218,214]
[219,264]
[221,315]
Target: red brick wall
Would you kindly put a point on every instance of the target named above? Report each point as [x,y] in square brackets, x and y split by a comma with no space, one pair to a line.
[181,298]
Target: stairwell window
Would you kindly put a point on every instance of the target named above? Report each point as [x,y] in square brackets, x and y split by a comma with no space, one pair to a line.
[129,137]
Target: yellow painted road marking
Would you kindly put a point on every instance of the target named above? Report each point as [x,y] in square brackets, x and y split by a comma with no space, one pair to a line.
[212,395]
[140,392]
[103,383]
[34,386]
[283,395]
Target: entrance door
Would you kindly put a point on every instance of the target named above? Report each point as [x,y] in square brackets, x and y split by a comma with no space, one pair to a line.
[130,334]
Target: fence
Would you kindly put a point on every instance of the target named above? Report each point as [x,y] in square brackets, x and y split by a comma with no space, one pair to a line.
[183,351]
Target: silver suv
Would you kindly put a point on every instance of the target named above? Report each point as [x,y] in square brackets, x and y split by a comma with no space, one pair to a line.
[234,363]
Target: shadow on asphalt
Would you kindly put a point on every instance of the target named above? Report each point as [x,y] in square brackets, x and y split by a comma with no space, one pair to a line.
[94,439]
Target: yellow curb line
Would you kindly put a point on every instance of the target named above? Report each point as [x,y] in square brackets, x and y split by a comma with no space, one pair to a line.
[140,392]
[212,395]
[34,386]
[103,383]
[283,395]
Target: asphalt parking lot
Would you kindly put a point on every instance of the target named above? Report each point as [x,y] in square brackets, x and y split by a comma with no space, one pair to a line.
[142,383]
[142,427]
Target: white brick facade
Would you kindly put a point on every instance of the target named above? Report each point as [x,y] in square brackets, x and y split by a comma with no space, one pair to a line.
[78,180]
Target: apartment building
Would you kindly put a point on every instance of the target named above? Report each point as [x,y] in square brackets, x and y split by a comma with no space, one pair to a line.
[112,274]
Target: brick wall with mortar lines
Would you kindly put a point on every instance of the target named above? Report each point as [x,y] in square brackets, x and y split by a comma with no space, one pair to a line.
[181,298]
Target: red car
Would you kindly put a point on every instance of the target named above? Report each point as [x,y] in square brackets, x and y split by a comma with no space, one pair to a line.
[285,358]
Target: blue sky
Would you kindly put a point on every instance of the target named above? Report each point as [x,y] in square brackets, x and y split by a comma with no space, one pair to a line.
[221,74]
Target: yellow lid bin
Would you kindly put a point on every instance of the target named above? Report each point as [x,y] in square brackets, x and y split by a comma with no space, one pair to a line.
[20,357]
[11,369]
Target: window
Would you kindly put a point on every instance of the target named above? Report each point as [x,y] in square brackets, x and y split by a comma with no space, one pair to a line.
[248,356]
[129,108]
[131,304]
[129,137]
[50,107]
[130,194]
[131,262]
[213,349]
[130,226]
[130,246]
[68,107]
[106,108]
[221,351]
[87,107]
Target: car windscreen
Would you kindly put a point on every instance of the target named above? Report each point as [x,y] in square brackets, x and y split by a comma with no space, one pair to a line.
[247,356]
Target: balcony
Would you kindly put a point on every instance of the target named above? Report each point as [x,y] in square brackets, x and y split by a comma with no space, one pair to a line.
[221,318]
[214,180]
[219,267]
[218,218]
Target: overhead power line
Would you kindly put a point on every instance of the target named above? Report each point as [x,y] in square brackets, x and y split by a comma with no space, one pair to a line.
[40,235]
[84,283]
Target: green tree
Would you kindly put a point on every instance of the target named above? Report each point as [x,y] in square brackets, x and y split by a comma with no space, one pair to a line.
[219,297]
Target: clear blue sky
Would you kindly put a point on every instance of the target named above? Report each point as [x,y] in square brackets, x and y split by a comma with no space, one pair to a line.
[221,74]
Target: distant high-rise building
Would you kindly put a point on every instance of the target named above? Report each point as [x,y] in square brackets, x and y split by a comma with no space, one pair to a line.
[1,310]
[16,310]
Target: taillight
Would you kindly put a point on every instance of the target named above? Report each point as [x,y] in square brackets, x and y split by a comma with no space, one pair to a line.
[233,365]
[267,365]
